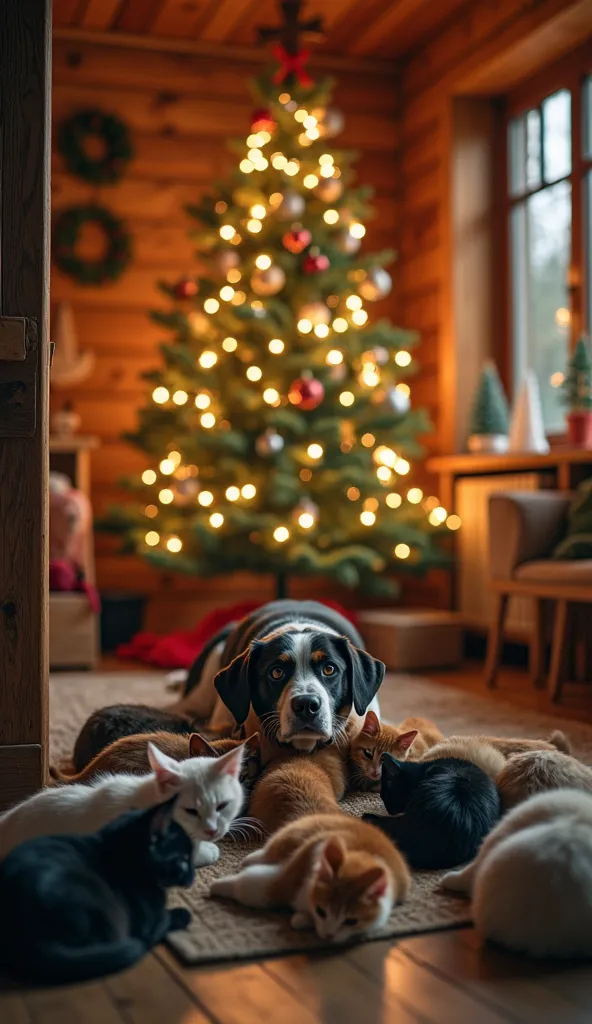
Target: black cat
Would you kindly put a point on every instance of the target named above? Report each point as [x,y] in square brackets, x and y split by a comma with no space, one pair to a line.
[118,720]
[444,809]
[79,907]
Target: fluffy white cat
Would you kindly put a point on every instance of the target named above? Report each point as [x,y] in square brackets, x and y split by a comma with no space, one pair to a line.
[531,881]
[209,798]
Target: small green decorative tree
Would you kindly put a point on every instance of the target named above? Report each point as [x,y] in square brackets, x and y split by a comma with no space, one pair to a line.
[577,386]
[279,426]
[490,417]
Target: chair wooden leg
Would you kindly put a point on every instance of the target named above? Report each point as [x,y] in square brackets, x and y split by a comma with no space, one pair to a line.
[537,645]
[559,649]
[495,640]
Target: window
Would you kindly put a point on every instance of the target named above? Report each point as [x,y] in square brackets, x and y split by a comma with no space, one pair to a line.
[549,191]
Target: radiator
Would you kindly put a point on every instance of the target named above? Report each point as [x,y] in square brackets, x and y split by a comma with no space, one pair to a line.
[474,599]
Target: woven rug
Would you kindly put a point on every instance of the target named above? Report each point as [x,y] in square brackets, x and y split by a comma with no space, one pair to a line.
[221,930]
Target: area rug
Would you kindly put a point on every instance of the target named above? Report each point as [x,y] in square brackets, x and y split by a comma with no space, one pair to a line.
[221,930]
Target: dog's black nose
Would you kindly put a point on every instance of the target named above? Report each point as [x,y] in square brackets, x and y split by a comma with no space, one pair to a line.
[306,706]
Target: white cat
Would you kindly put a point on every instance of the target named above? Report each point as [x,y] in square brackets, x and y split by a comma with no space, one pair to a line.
[532,878]
[210,797]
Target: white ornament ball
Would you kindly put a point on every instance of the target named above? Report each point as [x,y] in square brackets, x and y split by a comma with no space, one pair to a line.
[225,260]
[269,443]
[347,243]
[292,205]
[268,282]
[329,190]
[398,401]
[376,285]
[316,312]
[332,123]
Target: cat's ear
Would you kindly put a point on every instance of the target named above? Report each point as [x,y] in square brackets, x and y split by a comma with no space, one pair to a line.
[231,763]
[406,739]
[390,765]
[374,884]
[233,683]
[331,859]
[166,770]
[199,746]
[162,816]
[371,725]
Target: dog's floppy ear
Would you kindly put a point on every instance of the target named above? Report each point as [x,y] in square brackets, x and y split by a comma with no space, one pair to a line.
[365,674]
[232,685]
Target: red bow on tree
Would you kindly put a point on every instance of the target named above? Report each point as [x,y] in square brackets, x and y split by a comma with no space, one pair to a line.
[291,64]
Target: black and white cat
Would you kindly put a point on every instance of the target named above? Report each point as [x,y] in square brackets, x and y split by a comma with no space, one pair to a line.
[78,907]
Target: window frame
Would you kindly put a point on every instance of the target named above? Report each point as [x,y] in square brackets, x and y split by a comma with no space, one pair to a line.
[569,73]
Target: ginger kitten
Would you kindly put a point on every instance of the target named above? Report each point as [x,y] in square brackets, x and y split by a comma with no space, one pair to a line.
[410,739]
[129,755]
[336,873]
[298,785]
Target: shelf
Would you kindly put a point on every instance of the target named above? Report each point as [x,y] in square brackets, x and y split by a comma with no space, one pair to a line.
[511,462]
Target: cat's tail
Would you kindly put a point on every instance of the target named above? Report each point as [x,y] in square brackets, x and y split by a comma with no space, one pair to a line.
[62,965]
[560,741]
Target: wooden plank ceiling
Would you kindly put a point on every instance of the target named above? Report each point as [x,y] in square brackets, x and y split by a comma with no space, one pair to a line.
[364,28]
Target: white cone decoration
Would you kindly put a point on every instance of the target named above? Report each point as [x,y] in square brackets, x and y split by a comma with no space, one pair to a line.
[527,433]
[69,367]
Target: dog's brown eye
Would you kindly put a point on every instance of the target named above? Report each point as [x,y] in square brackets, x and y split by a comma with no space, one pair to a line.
[328,669]
[369,754]
[277,673]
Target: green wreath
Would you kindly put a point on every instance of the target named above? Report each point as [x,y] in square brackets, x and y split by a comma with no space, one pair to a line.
[66,234]
[107,169]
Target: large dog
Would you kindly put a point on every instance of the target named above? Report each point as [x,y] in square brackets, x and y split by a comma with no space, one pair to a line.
[295,669]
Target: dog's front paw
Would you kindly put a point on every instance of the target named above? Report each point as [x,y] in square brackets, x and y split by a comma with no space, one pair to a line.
[205,853]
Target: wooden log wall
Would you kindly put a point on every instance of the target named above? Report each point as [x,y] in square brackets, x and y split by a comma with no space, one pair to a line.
[485,50]
[180,110]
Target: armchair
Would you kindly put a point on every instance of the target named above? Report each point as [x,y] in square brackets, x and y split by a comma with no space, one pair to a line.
[524,527]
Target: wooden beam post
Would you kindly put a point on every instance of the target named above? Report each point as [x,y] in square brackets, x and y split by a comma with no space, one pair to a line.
[25,59]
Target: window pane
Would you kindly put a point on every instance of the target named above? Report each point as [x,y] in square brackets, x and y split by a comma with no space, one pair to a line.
[533,149]
[517,156]
[588,243]
[557,135]
[588,117]
[541,230]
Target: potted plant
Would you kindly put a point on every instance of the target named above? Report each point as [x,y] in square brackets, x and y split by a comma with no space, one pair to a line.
[490,416]
[577,393]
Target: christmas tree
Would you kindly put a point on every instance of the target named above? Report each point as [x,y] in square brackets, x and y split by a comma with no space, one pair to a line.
[279,426]
[490,414]
[577,386]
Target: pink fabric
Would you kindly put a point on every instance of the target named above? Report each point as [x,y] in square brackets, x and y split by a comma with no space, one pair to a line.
[65,576]
[179,650]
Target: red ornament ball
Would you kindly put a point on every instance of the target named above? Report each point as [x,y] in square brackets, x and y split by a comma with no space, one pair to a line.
[186,288]
[307,393]
[315,264]
[297,240]
[262,121]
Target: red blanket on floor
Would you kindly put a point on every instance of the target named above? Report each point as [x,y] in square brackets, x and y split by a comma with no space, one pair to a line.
[178,650]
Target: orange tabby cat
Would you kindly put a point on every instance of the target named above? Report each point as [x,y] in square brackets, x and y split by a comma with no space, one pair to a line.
[130,754]
[336,873]
[410,739]
[297,785]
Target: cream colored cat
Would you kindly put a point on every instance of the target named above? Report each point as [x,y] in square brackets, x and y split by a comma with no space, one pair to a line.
[532,878]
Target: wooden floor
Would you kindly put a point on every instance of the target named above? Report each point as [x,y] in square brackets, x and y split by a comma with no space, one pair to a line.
[441,978]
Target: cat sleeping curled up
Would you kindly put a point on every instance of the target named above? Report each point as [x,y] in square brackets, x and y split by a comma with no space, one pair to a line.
[298,785]
[532,879]
[106,725]
[336,873]
[209,798]
[442,809]
[538,771]
[410,739]
[130,755]
[79,907]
